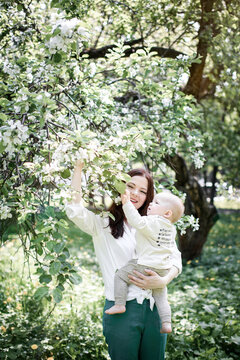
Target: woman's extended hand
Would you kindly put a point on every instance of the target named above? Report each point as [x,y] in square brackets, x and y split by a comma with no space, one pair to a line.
[79,163]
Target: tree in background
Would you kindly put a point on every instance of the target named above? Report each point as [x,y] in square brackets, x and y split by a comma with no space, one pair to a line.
[104,81]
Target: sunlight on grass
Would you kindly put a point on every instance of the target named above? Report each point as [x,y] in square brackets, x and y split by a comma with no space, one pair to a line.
[222,202]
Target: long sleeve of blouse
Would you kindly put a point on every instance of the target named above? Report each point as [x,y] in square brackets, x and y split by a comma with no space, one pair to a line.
[111,253]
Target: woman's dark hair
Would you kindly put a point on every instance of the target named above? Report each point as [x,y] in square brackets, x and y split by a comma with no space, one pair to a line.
[117,225]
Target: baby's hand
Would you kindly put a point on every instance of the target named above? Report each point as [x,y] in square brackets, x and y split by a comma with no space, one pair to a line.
[125,197]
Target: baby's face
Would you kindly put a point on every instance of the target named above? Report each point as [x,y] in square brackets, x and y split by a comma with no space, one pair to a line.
[157,206]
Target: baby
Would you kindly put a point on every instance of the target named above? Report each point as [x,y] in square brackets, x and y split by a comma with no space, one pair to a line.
[155,243]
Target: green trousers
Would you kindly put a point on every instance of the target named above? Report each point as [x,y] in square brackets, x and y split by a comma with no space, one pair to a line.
[135,334]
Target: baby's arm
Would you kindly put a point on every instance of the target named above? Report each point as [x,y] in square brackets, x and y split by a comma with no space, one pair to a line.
[125,197]
[132,215]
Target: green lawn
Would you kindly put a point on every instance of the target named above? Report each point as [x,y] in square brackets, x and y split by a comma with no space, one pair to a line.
[204,301]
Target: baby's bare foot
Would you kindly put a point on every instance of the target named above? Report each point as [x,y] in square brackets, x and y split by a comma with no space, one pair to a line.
[116,309]
[166,328]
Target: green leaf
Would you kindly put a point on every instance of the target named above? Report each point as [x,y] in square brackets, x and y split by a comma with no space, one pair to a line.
[3,102]
[111,216]
[60,287]
[120,186]
[126,177]
[45,278]
[39,271]
[41,292]
[57,58]
[39,249]
[42,122]
[57,295]
[19,7]
[56,31]
[55,267]
[58,247]
[66,252]
[50,244]
[62,257]
[236,339]
[61,278]
[65,174]
[74,46]
[2,147]
[12,355]
[75,279]
[49,257]
[3,117]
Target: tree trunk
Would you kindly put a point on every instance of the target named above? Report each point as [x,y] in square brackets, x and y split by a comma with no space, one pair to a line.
[213,188]
[195,85]
[191,243]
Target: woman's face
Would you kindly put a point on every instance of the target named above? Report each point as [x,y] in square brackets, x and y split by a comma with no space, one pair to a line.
[138,187]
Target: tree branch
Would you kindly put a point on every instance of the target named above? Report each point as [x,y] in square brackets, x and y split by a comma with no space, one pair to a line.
[102,52]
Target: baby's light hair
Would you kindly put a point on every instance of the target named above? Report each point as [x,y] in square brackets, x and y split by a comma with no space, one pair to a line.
[173,202]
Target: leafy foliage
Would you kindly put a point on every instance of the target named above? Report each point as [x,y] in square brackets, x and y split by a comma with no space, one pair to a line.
[203,298]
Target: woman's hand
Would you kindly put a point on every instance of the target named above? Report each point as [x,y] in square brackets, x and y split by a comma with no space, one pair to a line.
[79,164]
[152,280]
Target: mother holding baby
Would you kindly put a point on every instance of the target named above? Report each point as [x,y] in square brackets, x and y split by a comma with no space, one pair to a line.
[134,334]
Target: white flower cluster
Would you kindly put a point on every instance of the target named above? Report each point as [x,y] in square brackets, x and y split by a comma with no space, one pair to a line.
[13,135]
[172,145]
[106,97]
[198,159]
[139,145]
[166,102]
[68,30]
[5,210]
[182,57]
[60,159]
[9,68]
[186,222]
[196,141]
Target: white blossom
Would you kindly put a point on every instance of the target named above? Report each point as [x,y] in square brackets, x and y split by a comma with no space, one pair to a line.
[182,57]
[92,69]
[166,101]
[5,210]
[56,43]
[198,159]
[105,97]
[68,26]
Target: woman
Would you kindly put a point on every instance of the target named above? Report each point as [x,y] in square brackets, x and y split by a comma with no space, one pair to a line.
[135,334]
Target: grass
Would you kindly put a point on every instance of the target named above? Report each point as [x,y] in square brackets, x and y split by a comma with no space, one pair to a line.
[204,301]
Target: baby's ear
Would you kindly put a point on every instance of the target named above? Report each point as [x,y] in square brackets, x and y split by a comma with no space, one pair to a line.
[168,214]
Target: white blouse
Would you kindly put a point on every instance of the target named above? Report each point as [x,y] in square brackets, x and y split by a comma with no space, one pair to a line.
[111,253]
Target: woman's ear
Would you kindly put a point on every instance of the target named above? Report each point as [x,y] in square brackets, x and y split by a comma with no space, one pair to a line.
[168,214]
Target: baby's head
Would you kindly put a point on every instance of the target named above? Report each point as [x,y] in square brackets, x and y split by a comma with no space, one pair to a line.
[167,205]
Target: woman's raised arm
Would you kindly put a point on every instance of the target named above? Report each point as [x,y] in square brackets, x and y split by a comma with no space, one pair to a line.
[76,183]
